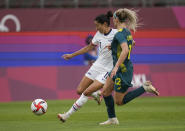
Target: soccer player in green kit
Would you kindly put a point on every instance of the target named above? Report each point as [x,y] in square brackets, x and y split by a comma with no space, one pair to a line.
[120,77]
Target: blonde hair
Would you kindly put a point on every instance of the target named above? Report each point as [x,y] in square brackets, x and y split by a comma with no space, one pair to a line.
[129,16]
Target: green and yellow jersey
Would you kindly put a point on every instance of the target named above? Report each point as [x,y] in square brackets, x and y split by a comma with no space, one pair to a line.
[122,36]
[124,74]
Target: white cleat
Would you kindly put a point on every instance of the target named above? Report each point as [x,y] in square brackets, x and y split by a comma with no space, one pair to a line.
[110,121]
[149,88]
[62,117]
[98,98]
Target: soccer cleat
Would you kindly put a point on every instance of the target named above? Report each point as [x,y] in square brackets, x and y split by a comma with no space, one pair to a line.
[98,98]
[62,117]
[110,121]
[149,88]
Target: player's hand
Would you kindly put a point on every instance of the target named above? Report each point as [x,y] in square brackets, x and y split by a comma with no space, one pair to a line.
[67,56]
[108,47]
[113,73]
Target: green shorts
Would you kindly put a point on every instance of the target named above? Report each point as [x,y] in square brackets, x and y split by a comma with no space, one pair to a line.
[122,81]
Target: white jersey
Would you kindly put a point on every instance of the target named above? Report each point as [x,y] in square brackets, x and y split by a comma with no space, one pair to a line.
[104,60]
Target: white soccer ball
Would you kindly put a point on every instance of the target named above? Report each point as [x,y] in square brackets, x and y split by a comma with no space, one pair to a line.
[39,106]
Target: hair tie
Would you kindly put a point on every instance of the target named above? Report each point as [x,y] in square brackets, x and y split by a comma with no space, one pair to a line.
[114,15]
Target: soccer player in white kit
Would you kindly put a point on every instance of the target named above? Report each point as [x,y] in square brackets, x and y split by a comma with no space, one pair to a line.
[96,76]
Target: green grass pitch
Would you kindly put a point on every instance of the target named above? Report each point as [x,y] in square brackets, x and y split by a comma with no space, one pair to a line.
[142,114]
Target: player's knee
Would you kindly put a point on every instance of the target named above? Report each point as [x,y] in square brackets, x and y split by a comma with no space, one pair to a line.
[119,102]
[104,93]
[87,92]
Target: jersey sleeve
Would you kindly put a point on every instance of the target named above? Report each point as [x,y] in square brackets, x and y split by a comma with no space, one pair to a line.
[121,38]
[95,39]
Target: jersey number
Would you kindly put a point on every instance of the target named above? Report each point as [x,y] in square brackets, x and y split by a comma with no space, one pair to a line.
[100,45]
[118,83]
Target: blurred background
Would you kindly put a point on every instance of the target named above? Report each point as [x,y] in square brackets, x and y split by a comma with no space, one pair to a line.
[35,33]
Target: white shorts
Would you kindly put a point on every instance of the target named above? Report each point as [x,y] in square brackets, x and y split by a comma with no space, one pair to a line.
[97,74]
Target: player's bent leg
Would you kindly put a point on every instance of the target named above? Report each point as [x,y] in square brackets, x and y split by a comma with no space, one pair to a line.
[100,78]
[95,86]
[125,97]
[108,87]
[147,87]
[84,84]
[118,96]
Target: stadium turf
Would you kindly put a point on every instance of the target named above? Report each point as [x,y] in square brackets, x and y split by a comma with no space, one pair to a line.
[142,114]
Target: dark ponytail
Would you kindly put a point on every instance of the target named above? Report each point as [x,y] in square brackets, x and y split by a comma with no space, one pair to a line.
[104,18]
[109,14]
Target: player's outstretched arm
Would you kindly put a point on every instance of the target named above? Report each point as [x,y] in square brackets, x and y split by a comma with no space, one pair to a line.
[79,52]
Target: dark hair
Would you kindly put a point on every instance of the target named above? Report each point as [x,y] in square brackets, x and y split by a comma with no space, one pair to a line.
[104,18]
[88,39]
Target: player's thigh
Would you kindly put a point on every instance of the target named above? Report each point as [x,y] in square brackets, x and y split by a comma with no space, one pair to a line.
[108,87]
[96,85]
[118,97]
[84,84]
[87,80]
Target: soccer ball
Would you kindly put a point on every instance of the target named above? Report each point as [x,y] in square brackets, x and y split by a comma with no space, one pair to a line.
[39,106]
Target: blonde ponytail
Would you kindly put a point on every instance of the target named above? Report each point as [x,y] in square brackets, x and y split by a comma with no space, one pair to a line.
[129,16]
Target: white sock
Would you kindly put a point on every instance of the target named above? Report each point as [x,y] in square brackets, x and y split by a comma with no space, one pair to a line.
[95,94]
[79,103]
